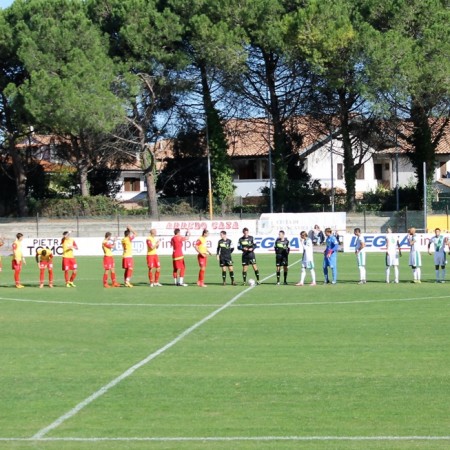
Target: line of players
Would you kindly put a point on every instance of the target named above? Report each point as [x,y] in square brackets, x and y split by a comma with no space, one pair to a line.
[246,244]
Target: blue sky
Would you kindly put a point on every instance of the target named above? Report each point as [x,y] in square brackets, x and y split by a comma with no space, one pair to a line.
[5,3]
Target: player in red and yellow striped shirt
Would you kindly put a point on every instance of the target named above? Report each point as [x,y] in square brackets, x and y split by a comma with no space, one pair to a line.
[69,263]
[18,259]
[108,261]
[127,256]
[202,257]
[44,258]
[153,263]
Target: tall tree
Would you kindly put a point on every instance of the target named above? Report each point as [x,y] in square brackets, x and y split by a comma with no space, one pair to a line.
[13,118]
[212,42]
[142,36]
[409,71]
[331,37]
[69,89]
[274,87]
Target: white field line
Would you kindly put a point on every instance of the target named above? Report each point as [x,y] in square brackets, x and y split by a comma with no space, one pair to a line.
[240,305]
[104,389]
[229,439]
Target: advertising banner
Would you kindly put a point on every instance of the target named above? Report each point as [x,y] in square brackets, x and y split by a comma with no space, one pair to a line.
[293,223]
[265,231]
[376,242]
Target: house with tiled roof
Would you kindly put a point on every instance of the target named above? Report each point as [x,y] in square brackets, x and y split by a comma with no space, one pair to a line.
[320,151]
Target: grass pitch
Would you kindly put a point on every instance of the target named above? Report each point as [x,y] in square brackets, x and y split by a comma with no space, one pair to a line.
[272,367]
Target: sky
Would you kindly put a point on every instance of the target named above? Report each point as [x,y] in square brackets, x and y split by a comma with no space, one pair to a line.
[5,3]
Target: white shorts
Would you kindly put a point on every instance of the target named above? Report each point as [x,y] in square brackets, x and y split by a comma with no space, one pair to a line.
[392,259]
[415,259]
[308,264]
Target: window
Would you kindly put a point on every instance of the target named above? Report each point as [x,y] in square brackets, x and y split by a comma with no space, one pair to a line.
[340,171]
[132,184]
[246,169]
[378,171]
[443,169]
[360,173]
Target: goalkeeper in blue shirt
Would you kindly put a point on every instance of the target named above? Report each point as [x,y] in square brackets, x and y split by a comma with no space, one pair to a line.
[330,256]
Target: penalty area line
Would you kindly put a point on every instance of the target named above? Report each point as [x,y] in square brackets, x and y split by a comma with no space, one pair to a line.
[104,389]
[228,439]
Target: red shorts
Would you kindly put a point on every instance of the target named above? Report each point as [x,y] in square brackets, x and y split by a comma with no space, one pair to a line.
[69,264]
[108,262]
[127,263]
[45,265]
[202,260]
[178,264]
[16,265]
[153,262]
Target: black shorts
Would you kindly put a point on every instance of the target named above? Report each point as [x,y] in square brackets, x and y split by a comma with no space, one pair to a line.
[281,260]
[248,258]
[225,262]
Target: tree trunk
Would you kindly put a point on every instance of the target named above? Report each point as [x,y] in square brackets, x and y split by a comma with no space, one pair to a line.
[279,142]
[149,172]
[349,158]
[20,179]
[423,146]
[83,178]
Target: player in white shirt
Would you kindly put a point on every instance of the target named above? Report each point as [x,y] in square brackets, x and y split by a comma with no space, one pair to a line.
[360,253]
[306,245]
[439,242]
[393,252]
[415,260]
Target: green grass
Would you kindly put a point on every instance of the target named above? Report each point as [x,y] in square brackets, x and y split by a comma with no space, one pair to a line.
[344,360]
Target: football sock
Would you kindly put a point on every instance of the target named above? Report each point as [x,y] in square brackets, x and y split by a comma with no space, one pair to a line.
[244,276]
[150,276]
[278,277]
[232,276]
[72,278]
[396,273]
[181,280]
[303,275]
[313,275]
[157,276]
[224,276]
[388,273]
[113,277]
[17,276]
[437,275]
[257,274]
[285,275]
[419,273]
[66,276]
[105,278]
[41,276]
[443,272]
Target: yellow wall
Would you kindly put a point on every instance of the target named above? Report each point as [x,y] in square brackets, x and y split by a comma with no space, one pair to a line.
[438,221]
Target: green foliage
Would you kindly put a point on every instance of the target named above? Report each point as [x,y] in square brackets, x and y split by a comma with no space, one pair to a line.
[385,199]
[78,206]
[69,87]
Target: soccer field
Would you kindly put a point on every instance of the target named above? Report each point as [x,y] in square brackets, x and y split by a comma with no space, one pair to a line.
[273,367]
